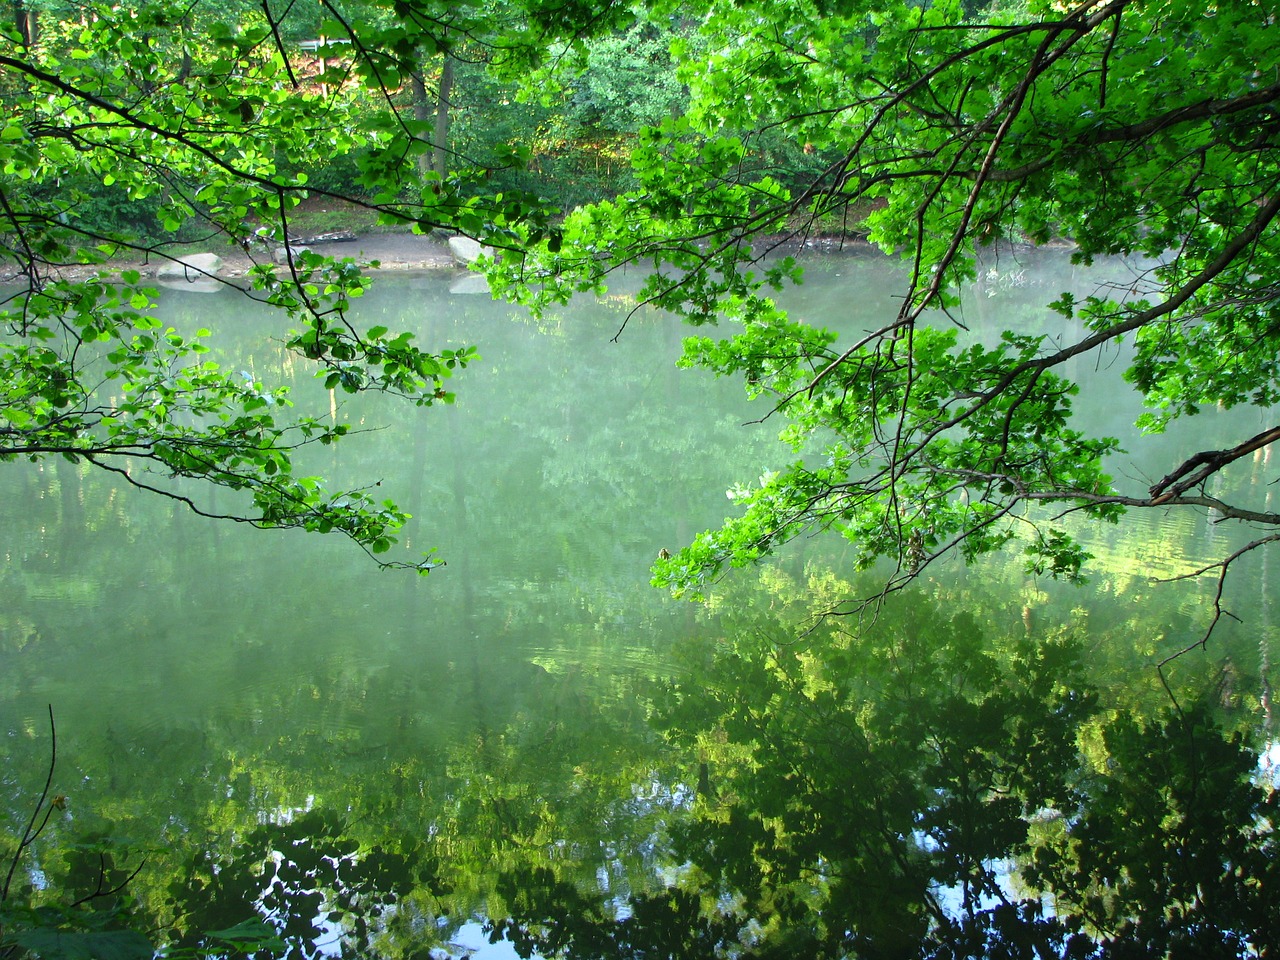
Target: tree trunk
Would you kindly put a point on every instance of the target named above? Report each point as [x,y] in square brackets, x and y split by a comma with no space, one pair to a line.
[422,109]
[25,19]
[440,142]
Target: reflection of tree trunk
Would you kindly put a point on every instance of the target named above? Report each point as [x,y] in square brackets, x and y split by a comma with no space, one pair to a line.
[214,530]
[71,496]
[679,503]
[1264,648]
[705,790]
[675,388]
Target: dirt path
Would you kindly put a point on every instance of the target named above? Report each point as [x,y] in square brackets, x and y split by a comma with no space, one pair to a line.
[392,251]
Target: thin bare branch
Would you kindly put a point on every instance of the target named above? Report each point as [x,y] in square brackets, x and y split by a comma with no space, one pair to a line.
[32,832]
[1222,566]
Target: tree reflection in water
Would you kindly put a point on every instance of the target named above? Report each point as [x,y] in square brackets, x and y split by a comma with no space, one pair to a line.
[513,752]
[925,790]
[923,785]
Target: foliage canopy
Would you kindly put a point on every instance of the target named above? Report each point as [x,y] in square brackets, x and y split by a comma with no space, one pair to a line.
[1138,128]
[196,124]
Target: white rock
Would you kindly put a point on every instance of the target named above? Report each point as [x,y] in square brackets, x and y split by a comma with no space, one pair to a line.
[471,283]
[192,268]
[281,254]
[194,286]
[465,250]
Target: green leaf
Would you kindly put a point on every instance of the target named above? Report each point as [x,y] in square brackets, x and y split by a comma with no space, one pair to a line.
[249,935]
[51,944]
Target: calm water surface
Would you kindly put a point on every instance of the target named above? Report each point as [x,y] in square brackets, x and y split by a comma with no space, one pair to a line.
[211,682]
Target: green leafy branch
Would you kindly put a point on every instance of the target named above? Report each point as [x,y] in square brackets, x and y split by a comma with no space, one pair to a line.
[158,402]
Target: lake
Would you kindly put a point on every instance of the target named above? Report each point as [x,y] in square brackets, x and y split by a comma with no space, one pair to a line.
[532,743]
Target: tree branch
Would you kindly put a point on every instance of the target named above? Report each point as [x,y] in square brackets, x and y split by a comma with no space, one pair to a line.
[32,832]
[1205,464]
[1218,613]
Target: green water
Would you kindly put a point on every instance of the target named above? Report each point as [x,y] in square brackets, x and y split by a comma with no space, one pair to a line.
[457,748]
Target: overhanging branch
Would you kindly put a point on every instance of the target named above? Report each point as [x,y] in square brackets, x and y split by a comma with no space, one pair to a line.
[1196,469]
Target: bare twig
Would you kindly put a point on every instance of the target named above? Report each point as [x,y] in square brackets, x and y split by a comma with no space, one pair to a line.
[1218,613]
[32,832]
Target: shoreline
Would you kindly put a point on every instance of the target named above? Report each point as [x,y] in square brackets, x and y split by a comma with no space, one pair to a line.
[397,253]
[391,251]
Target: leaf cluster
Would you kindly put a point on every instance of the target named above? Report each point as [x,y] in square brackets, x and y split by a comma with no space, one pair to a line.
[1122,127]
[196,124]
